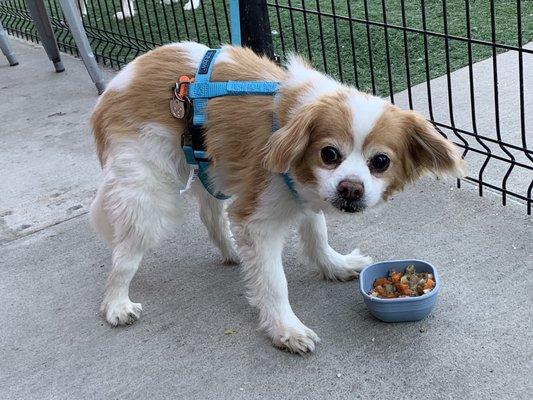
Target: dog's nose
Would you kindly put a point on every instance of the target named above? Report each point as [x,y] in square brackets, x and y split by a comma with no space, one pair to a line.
[351,190]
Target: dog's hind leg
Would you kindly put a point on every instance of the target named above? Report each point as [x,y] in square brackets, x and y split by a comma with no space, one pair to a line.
[139,199]
[117,306]
[213,215]
[120,234]
[330,264]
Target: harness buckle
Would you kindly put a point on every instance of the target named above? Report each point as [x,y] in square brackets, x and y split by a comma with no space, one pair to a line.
[180,102]
[181,89]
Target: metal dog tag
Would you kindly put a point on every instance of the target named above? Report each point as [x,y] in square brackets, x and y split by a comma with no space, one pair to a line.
[177,108]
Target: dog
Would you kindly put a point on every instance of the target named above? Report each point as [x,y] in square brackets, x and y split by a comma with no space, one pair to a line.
[128,10]
[345,151]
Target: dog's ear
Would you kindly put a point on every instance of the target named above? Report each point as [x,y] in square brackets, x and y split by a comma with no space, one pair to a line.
[429,151]
[287,145]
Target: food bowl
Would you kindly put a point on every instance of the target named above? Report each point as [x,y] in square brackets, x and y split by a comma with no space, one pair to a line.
[401,309]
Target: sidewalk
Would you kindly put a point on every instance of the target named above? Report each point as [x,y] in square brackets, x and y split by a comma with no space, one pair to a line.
[55,345]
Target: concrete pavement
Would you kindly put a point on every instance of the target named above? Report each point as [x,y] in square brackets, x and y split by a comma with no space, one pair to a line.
[55,345]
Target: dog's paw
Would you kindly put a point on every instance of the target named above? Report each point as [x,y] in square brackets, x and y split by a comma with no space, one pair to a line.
[356,261]
[344,268]
[122,312]
[123,15]
[300,340]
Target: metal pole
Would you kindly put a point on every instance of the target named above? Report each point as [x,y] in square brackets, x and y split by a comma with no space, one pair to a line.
[255,27]
[6,47]
[46,33]
[75,24]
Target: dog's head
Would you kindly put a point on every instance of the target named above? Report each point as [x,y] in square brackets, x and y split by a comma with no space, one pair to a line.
[348,149]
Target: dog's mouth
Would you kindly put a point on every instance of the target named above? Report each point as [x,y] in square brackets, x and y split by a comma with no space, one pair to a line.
[348,206]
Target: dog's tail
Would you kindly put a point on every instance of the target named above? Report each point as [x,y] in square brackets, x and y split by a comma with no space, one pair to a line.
[99,123]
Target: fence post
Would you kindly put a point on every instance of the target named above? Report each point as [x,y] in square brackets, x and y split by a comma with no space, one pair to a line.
[255,27]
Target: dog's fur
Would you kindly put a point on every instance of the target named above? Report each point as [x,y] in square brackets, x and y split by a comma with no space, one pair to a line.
[138,143]
[128,9]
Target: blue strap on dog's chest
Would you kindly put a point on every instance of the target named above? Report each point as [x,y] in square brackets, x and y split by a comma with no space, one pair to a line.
[200,91]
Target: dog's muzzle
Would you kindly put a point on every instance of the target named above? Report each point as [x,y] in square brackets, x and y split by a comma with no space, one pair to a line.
[350,196]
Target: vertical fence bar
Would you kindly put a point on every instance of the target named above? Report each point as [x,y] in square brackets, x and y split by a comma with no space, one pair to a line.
[175,20]
[426,59]
[293,27]
[321,34]
[337,44]
[206,25]
[353,44]
[255,27]
[215,16]
[473,98]
[185,23]
[280,27]
[306,26]
[387,50]
[497,100]
[195,20]
[449,80]
[370,51]
[522,101]
[407,62]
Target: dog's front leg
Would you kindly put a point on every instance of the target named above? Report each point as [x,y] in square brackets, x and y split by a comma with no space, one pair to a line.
[260,246]
[330,264]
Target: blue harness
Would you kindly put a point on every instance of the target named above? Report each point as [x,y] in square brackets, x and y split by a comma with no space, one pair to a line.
[200,91]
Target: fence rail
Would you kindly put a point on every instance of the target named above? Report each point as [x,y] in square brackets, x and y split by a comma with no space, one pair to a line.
[422,54]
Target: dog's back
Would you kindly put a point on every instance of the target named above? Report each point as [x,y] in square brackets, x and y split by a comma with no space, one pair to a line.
[140,93]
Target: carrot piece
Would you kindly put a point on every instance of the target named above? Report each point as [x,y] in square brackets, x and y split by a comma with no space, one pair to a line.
[403,288]
[381,282]
[429,284]
[381,291]
[395,277]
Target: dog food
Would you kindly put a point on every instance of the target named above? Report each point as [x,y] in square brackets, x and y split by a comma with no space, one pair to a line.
[406,284]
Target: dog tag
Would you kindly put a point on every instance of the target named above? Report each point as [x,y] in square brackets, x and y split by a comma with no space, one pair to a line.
[177,108]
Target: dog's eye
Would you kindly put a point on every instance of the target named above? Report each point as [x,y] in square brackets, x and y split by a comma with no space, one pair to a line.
[379,163]
[330,155]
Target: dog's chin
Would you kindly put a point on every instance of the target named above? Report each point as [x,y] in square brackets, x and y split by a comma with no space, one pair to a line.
[346,206]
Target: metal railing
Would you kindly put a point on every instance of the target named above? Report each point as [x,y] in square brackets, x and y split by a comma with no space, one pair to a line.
[422,54]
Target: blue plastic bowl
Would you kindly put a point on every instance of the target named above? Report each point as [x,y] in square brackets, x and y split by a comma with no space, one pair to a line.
[401,309]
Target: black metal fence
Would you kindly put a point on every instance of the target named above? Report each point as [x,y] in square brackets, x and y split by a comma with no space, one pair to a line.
[421,54]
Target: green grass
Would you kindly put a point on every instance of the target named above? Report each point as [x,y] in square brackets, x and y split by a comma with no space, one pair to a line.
[334,44]
[355,34]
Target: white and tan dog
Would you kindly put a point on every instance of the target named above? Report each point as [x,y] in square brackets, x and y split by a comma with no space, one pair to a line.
[344,149]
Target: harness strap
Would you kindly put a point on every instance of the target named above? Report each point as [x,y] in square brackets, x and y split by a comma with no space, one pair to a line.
[200,91]
[195,154]
[209,90]
[203,76]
